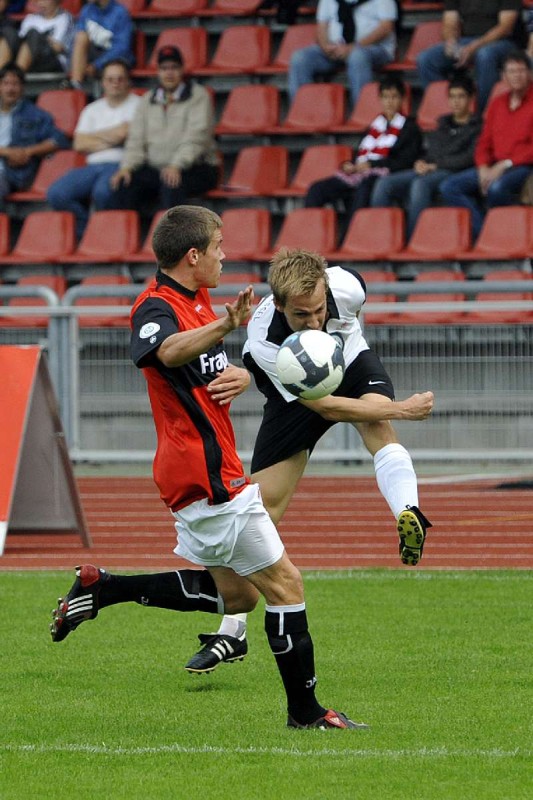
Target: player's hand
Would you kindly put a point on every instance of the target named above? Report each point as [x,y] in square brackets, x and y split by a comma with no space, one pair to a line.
[418,406]
[239,311]
[229,384]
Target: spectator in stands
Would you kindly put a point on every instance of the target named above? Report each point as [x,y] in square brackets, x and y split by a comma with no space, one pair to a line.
[529,24]
[504,151]
[449,149]
[359,36]
[101,131]
[46,38]
[475,32]
[392,143]
[27,134]
[9,37]
[170,152]
[103,33]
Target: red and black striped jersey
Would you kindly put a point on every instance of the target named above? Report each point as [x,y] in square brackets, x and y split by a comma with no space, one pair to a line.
[196,456]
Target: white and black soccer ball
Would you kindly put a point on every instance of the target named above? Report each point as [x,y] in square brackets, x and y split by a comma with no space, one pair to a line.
[310,364]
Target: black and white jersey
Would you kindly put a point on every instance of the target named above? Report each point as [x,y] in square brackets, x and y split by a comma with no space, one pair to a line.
[268,328]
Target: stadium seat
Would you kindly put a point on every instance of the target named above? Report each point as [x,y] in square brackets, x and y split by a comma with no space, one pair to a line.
[316,108]
[97,320]
[192,43]
[435,317]
[5,230]
[257,171]
[241,49]
[45,237]
[308,228]
[73,6]
[316,162]
[146,254]
[294,38]
[374,234]
[249,110]
[136,7]
[368,107]
[247,232]
[65,105]
[439,235]
[230,8]
[505,236]
[500,87]
[50,169]
[56,283]
[371,317]
[425,35]
[503,317]
[108,236]
[434,104]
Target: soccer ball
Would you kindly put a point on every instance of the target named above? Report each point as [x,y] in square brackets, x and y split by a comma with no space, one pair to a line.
[310,364]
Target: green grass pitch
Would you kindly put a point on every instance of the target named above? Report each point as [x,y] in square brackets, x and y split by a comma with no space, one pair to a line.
[438,663]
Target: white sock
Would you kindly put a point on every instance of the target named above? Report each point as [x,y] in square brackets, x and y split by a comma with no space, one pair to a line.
[233,625]
[396,477]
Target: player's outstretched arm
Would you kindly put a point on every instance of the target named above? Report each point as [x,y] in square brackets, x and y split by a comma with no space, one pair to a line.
[182,347]
[347,409]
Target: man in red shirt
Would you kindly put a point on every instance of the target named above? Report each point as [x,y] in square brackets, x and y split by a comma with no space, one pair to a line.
[222,524]
[504,152]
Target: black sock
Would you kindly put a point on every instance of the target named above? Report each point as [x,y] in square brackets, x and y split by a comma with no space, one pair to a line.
[182,590]
[292,646]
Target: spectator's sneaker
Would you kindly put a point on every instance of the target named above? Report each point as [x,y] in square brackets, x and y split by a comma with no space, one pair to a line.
[412,527]
[331,719]
[80,604]
[216,649]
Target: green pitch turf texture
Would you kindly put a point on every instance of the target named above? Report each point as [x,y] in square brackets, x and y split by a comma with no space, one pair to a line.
[440,664]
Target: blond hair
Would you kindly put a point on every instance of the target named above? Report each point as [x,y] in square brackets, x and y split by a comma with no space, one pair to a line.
[296,272]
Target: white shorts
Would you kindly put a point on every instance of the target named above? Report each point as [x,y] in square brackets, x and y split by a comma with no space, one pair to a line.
[238,534]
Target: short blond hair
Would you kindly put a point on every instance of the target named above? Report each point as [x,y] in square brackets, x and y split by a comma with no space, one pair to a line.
[296,272]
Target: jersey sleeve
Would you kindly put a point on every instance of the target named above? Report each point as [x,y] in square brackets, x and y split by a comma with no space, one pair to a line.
[151,323]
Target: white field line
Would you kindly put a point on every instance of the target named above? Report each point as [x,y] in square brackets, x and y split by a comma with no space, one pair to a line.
[423,752]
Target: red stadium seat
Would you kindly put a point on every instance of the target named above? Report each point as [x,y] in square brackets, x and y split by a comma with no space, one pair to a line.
[258,171]
[500,87]
[73,6]
[98,320]
[45,237]
[241,49]
[108,236]
[440,234]
[506,235]
[308,228]
[374,234]
[5,229]
[435,317]
[368,107]
[230,8]
[425,35]
[503,317]
[247,233]
[56,283]
[168,8]
[50,169]
[65,105]
[295,38]
[317,162]
[316,108]
[146,254]
[191,42]
[249,110]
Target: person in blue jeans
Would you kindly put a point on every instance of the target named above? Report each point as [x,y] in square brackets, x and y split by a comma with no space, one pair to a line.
[478,33]
[504,152]
[104,32]
[450,148]
[359,36]
[100,134]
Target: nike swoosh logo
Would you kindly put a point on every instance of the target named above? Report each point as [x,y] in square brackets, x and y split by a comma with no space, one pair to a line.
[371,383]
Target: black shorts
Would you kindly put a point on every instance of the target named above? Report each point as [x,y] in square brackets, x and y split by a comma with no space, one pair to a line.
[289,428]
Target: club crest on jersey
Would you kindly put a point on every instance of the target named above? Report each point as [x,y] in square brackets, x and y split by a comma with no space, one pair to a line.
[149,329]
[216,363]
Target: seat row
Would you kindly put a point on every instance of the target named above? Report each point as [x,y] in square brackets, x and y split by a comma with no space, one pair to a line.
[374,235]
